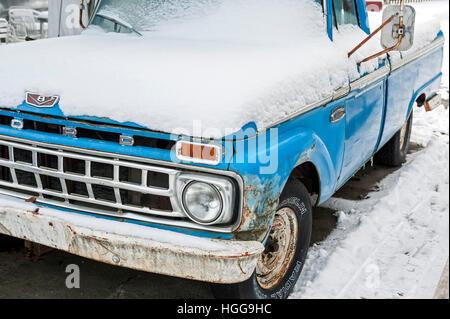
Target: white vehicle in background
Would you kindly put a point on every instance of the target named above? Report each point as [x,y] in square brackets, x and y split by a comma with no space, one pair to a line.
[3,30]
[23,24]
[30,20]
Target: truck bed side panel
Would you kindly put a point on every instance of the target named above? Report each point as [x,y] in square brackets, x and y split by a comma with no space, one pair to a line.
[403,85]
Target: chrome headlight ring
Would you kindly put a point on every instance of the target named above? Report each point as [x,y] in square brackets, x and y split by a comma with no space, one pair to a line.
[224,188]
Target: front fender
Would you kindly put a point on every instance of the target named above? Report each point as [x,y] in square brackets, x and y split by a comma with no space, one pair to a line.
[265,162]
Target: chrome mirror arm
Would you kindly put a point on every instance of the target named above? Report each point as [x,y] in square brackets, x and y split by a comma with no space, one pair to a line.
[400,37]
[82,8]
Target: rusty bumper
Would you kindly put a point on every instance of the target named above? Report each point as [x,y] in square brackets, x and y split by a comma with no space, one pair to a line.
[129,245]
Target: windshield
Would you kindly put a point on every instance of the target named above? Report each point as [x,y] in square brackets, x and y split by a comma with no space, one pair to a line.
[146,15]
[247,22]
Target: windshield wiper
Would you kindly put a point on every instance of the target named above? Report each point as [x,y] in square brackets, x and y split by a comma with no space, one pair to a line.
[119,22]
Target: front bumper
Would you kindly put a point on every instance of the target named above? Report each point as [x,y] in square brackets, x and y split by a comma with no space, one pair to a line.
[129,245]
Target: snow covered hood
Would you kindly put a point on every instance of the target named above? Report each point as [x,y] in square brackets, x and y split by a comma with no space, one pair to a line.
[251,61]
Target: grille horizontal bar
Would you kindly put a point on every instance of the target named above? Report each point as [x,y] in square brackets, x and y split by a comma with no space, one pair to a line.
[83,131]
[81,156]
[97,185]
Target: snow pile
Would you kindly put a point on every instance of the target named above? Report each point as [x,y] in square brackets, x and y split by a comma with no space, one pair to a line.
[246,61]
[233,63]
[394,244]
[384,246]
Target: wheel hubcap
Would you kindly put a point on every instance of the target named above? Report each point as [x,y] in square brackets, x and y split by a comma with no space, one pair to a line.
[280,249]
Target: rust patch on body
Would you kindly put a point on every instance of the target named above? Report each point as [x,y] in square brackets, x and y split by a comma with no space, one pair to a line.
[306,156]
[240,267]
[73,232]
[260,203]
[31,200]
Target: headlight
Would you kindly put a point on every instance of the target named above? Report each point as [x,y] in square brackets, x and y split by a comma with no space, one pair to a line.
[202,202]
[207,199]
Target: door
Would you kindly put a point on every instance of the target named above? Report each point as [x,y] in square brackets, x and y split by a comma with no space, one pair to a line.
[364,114]
[364,105]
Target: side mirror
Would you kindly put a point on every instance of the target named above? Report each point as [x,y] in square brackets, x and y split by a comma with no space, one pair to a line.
[392,30]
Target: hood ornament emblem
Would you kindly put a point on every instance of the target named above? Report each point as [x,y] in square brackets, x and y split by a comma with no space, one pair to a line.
[41,101]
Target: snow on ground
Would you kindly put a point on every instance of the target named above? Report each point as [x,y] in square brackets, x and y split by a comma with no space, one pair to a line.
[395,243]
[385,246]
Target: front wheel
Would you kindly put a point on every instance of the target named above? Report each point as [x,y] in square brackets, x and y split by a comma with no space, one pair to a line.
[281,263]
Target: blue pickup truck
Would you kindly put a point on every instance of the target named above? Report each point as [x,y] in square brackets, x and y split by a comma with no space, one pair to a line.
[232,209]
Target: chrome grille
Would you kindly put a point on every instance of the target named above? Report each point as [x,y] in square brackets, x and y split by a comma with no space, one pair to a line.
[108,186]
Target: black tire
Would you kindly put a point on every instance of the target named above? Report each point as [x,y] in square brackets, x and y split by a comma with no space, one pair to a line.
[295,197]
[395,151]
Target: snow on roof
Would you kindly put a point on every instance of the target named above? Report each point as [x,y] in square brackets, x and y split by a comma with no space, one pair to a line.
[251,61]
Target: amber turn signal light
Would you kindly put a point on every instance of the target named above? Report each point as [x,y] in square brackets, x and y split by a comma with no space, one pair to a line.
[198,153]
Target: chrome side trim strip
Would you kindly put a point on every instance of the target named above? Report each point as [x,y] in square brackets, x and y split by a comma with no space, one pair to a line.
[370,78]
[337,94]
[367,88]
[340,93]
[359,83]
[411,57]
[301,111]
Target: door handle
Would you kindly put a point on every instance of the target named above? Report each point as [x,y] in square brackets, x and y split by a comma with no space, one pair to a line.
[337,114]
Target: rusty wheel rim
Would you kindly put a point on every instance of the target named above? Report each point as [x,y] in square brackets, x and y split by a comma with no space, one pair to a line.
[280,249]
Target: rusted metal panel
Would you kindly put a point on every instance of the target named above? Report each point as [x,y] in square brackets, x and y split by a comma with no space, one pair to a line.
[260,203]
[210,260]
